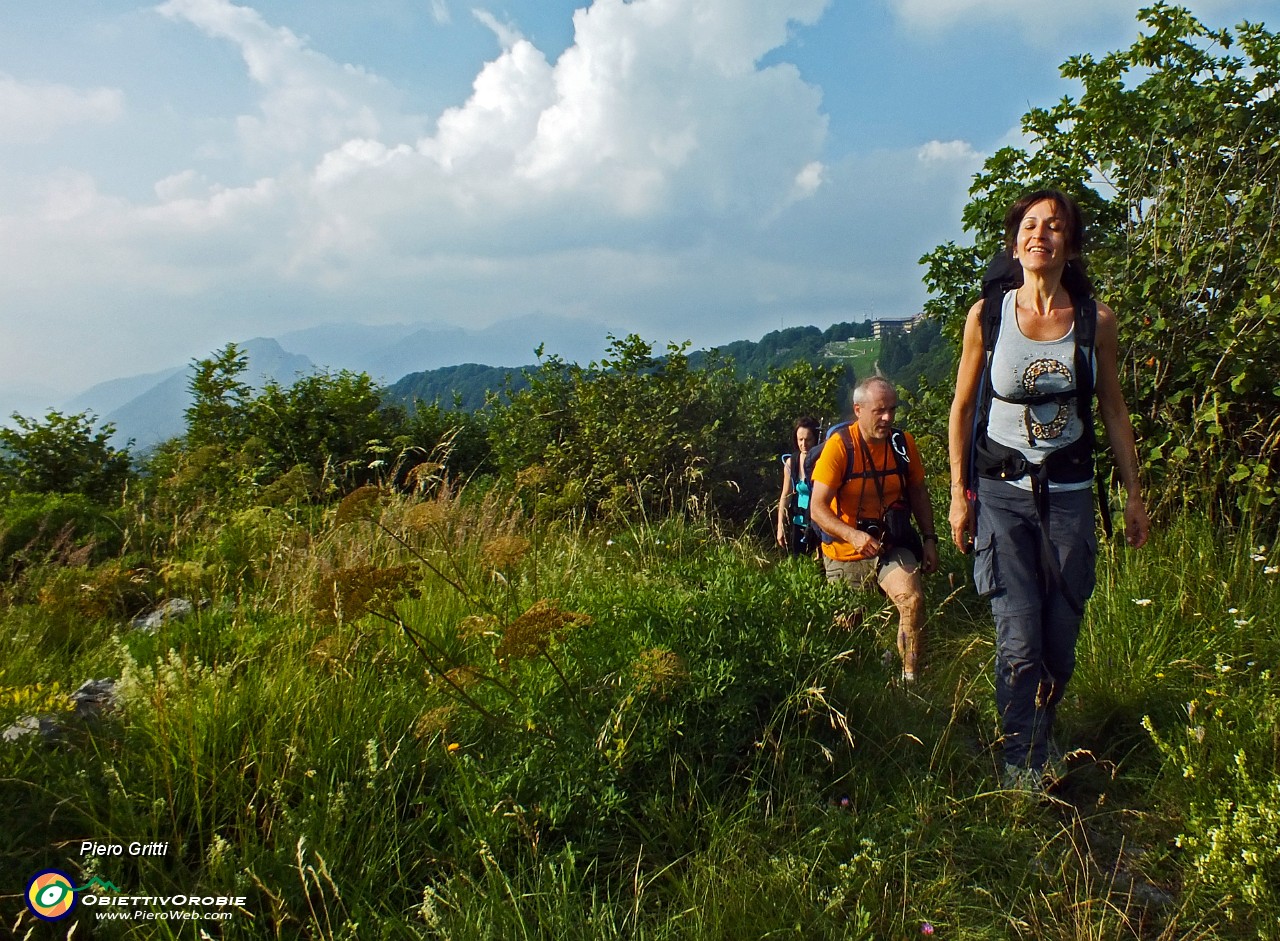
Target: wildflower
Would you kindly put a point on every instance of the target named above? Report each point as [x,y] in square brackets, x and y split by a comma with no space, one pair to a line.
[476,625]
[424,516]
[608,542]
[1159,676]
[1258,557]
[531,633]
[503,553]
[537,477]
[926,928]
[433,722]
[424,475]
[1233,610]
[359,504]
[350,592]
[1271,570]
[658,670]
[461,678]
[1241,622]
[453,747]
[1141,602]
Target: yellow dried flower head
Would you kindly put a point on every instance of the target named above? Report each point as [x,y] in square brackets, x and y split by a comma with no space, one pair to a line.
[351,592]
[422,517]
[658,670]
[503,553]
[476,625]
[536,477]
[531,633]
[328,651]
[434,722]
[425,474]
[360,504]
[462,678]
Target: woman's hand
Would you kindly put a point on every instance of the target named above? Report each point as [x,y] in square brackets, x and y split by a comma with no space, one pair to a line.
[961,519]
[782,534]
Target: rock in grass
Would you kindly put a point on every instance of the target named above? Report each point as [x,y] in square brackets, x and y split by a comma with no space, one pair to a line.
[47,727]
[93,699]
[175,609]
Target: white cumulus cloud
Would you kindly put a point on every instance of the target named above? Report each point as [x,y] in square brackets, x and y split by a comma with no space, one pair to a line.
[32,112]
[938,151]
[1044,23]
[310,103]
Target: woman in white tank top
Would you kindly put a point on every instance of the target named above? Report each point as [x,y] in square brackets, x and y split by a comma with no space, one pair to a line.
[1033,537]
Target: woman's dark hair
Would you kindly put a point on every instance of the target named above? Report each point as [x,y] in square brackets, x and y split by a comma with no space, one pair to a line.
[804,421]
[1074,278]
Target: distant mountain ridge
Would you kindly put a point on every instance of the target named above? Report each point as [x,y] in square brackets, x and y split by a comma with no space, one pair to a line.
[149,408]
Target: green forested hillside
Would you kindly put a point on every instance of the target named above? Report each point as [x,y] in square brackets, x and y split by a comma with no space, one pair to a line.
[846,345]
[461,387]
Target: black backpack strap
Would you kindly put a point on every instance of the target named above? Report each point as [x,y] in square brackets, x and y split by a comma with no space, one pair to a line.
[1002,275]
[847,438]
[901,456]
[1086,356]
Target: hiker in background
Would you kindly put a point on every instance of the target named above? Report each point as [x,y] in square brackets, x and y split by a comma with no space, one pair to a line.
[867,484]
[1036,353]
[794,532]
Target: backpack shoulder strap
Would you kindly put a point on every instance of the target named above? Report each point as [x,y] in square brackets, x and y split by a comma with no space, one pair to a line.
[846,435]
[901,455]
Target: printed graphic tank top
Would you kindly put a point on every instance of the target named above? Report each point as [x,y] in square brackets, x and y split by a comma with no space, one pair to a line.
[1022,367]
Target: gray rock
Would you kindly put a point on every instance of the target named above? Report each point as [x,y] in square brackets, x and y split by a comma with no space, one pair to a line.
[175,609]
[94,698]
[47,727]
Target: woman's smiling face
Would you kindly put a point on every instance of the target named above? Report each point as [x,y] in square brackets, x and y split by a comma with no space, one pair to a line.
[1042,238]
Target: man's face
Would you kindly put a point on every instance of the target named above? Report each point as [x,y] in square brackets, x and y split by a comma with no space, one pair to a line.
[875,418]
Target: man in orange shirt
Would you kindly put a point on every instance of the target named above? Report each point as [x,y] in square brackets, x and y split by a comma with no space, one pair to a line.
[867,473]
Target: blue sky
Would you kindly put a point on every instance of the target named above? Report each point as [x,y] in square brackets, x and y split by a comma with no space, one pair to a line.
[181,175]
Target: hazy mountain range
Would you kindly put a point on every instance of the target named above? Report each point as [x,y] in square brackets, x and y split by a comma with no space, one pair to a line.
[149,408]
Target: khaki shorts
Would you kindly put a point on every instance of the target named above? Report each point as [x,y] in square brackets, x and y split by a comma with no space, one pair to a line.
[861,573]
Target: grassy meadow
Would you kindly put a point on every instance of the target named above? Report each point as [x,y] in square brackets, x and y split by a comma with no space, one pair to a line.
[441,718]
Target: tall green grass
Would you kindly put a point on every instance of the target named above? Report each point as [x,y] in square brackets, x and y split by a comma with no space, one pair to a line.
[448,720]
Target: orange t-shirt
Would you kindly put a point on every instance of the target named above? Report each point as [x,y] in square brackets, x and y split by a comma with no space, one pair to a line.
[857,498]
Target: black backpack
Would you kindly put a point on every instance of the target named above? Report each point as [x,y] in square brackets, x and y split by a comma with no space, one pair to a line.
[1073,463]
[901,461]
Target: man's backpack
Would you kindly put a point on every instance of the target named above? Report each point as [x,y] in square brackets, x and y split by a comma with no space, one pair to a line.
[901,461]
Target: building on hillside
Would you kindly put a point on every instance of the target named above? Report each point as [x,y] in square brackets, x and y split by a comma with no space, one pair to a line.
[883,327]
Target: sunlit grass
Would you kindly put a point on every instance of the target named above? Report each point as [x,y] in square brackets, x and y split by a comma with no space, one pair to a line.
[686,744]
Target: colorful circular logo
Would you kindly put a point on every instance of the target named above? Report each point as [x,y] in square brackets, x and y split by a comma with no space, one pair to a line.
[51,895]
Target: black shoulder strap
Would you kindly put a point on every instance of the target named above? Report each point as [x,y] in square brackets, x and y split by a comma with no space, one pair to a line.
[1003,273]
[847,437]
[901,455]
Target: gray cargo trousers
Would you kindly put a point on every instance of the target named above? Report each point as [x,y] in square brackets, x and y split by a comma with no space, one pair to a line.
[1036,625]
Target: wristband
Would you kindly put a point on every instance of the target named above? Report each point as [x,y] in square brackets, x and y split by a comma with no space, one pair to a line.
[933,536]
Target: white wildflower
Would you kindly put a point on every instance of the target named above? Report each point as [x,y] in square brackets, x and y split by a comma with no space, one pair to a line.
[1141,602]
[1271,570]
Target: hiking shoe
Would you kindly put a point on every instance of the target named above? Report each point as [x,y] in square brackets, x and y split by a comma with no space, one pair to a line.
[1025,780]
